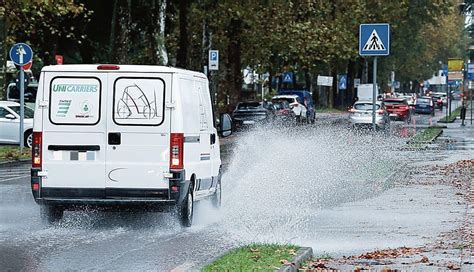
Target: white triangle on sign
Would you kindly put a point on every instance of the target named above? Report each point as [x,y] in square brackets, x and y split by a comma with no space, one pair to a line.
[287,77]
[374,43]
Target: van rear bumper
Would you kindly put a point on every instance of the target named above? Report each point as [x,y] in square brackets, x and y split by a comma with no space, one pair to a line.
[113,197]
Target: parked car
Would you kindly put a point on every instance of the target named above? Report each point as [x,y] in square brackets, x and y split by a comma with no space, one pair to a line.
[294,101]
[306,99]
[398,109]
[424,104]
[10,124]
[127,137]
[282,111]
[248,114]
[410,99]
[361,114]
[437,101]
[13,93]
[443,97]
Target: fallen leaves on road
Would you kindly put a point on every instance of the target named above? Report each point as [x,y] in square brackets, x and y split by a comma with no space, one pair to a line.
[424,259]
[388,253]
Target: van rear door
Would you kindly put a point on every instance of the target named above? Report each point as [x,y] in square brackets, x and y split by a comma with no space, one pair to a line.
[138,134]
[74,127]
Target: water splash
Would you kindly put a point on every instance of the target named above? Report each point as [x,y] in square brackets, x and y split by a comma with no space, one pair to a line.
[279,178]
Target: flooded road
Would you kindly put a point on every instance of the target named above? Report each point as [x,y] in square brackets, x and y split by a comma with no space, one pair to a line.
[322,186]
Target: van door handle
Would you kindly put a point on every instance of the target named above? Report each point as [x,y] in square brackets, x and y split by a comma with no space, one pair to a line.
[115,138]
[213,138]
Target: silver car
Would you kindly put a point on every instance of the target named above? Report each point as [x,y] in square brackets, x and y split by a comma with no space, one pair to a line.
[361,114]
[10,123]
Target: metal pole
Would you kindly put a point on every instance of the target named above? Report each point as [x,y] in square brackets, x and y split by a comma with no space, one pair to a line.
[22,107]
[447,97]
[470,94]
[374,93]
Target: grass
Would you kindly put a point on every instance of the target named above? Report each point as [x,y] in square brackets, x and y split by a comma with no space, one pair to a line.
[426,136]
[12,153]
[254,257]
[450,119]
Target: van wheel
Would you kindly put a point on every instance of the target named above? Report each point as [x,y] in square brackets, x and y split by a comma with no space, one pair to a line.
[50,214]
[186,209]
[217,197]
[29,139]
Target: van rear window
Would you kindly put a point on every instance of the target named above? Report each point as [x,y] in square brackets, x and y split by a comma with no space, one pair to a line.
[139,101]
[75,101]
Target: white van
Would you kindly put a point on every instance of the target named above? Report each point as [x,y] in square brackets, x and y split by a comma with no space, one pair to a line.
[124,136]
[366,91]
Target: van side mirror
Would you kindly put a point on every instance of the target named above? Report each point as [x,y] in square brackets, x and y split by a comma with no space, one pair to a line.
[225,125]
[10,116]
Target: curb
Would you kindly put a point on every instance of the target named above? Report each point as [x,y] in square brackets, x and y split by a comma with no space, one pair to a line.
[446,122]
[302,255]
[429,141]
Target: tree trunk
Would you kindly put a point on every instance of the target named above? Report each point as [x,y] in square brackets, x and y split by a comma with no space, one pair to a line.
[332,93]
[3,57]
[113,27]
[351,74]
[182,54]
[233,74]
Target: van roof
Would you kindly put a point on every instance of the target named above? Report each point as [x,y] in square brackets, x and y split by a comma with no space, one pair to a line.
[123,69]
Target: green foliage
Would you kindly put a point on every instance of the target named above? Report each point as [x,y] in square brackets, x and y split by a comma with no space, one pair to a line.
[313,37]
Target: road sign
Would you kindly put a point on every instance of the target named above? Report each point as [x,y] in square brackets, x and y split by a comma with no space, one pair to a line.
[342,82]
[214,60]
[374,39]
[455,65]
[28,65]
[470,71]
[356,82]
[325,81]
[21,54]
[287,77]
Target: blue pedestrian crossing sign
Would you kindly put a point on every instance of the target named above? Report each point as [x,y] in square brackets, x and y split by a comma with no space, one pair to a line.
[21,54]
[287,77]
[342,82]
[374,39]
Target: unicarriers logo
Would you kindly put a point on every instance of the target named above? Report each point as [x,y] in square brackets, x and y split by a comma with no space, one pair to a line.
[76,88]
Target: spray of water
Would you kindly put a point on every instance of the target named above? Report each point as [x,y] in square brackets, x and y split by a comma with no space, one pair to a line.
[280,178]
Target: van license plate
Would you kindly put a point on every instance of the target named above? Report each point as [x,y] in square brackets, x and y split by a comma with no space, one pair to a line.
[249,122]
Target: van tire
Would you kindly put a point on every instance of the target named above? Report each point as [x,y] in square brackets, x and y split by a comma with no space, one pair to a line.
[50,214]
[186,209]
[217,196]
[28,139]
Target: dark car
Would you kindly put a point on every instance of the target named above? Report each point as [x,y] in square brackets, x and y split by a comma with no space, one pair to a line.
[248,114]
[398,108]
[424,104]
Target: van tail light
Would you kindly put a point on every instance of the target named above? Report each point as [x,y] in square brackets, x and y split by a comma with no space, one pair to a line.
[36,153]
[108,67]
[177,151]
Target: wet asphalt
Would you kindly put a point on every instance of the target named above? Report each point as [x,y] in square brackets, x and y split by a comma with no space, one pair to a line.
[92,240]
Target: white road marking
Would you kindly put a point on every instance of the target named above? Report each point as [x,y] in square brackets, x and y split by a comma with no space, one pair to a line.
[19,177]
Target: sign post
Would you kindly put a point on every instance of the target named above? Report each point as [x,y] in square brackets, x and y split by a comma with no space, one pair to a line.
[21,54]
[374,40]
